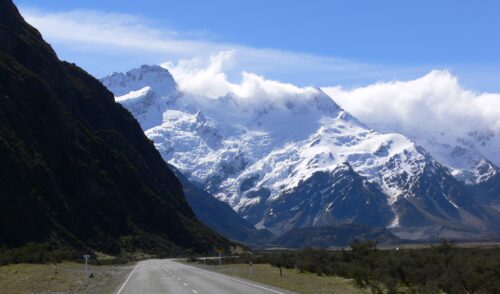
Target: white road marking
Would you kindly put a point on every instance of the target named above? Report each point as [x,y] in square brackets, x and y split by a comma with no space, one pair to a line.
[250,284]
[128,278]
[194,291]
[178,279]
[240,281]
[185,284]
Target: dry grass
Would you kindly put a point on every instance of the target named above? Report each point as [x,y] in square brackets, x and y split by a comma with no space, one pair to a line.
[63,278]
[293,280]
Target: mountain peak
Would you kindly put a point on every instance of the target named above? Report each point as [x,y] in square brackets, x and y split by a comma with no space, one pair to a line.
[256,147]
[326,103]
[156,77]
[200,117]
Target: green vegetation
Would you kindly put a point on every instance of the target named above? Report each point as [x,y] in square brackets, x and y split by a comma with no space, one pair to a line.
[437,269]
[291,279]
[64,277]
[77,173]
[36,253]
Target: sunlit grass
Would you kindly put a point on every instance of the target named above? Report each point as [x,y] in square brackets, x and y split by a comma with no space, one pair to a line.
[293,280]
[64,277]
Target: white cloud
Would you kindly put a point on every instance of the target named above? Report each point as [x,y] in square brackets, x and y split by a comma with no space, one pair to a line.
[203,77]
[107,36]
[208,78]
[100,30]
[433,104]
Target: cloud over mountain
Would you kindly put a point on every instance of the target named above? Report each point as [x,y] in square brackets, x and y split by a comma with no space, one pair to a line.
[209,78]
[443,105]
[435,100]
[434,106]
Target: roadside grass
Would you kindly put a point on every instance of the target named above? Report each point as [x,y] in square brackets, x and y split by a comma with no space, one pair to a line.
[293,280]
[64,277]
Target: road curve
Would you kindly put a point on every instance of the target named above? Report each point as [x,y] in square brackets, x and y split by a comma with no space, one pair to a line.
[167,276]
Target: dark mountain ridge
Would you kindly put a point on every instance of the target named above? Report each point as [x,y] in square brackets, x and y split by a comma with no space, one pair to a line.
[436,205]
[335,236]
[341,196]
[220,217]
[488,192]
[77,172]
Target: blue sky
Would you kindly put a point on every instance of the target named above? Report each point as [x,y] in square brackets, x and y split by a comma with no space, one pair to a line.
[323,43]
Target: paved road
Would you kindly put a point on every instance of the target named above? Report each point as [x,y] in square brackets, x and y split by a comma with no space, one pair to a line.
[167,276]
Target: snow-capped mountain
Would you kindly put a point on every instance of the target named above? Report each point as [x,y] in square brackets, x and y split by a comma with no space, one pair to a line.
[146,101]
[459,127]
[464,156]
[295,158]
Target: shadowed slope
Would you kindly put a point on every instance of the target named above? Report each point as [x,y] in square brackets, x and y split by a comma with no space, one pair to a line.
[76,169]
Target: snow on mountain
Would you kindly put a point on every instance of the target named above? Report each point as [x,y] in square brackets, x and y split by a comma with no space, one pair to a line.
[338,139]
[460,128]
[339,196]
[145,92]
[466,163]
[150,76]
[255,150]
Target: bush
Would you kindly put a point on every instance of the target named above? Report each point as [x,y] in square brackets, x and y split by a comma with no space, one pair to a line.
[442,268]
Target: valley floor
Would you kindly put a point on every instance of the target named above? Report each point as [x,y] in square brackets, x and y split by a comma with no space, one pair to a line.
[292,279]
[70,277]
[61,278]
[155,276]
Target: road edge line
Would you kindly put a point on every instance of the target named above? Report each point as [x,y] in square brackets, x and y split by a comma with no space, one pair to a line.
[234,279]
[128,278]
[247,283]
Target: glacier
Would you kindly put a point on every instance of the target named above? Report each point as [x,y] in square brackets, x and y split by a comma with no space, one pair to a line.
[254,153]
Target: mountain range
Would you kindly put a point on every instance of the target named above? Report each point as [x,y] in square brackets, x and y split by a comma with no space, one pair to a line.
[295,159]
[131,164]
[77,173]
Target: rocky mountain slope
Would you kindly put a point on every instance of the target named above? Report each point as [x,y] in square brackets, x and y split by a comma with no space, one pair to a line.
[77,173]
[335,236]
[293,158]
[458,126]
[220,217]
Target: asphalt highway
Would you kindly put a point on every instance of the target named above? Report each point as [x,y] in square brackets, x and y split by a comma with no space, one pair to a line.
[157,276]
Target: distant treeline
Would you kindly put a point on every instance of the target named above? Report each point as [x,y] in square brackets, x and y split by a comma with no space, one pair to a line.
[441,268]
[42,253]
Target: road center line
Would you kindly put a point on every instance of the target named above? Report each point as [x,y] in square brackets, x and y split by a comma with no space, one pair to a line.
[236,280]
[194,291]
[185,284]
[128,278]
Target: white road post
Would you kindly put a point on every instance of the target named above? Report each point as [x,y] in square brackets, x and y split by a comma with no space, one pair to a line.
[220,250]
[86,257]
